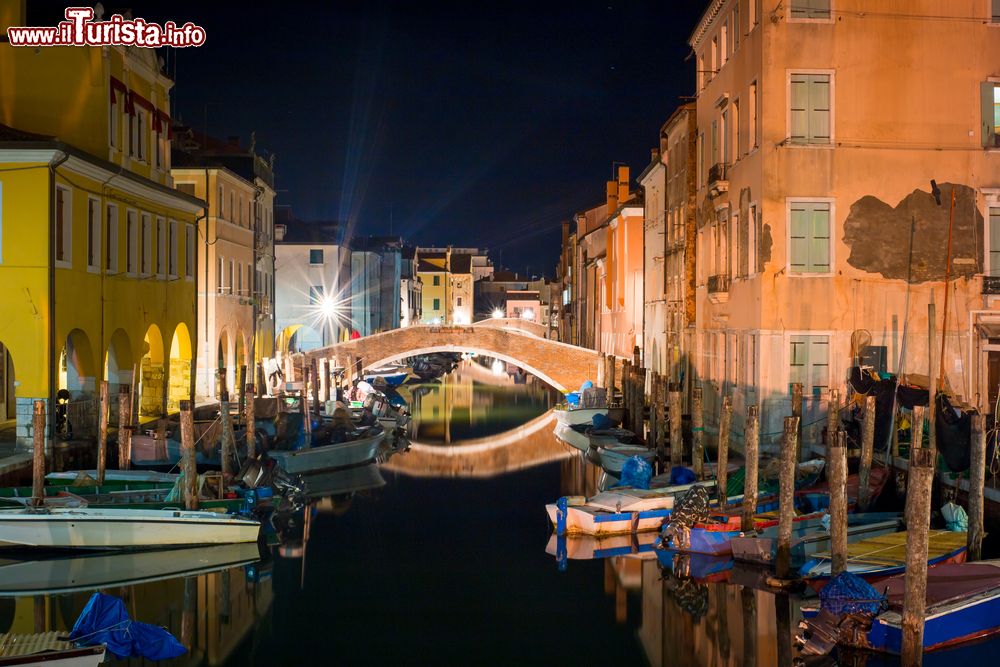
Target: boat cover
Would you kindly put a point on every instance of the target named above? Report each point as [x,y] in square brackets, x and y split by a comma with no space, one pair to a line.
[850,594]
[106,621]
[636,473]
[948,582]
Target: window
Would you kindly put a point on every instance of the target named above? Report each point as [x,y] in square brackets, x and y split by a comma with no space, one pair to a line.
[189,234]
[751,359]
[316,294]
[701,158]
[993,263]
[726,132]
[810,9]
[113,121]
[994,11]
[752,13]
[316,256]
[220,212]
[93,234]
[239,278]
[161,246]
[809,114]
[738,253]
[139,129]
[715,142]
[437,304]
[990,99]
[131,242]
[737,31]
[809,364]
[243,211]
[459,302]
[752,236]
[111,239]
[701,72]
[715,58]
[723,44]
[809,236]
[752,120]
[219,273]
[64,226]
[737,135]
[186,188]
[232,272]
[147,244]
[232,206]
[174,241]
[437,282]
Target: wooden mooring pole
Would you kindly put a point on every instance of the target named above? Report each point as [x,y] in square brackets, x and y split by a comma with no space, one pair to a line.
[609,375]
[676,436]
[797,412]
[250,419]
[751,449]
[103,408]
[918,517]
[697,433]
[640,404]
[38,454]
[867,450]
[228,440]
[837,468]
[721,470]
[977,482]
[786,496]
[832,417]
[187,457]
[124,427]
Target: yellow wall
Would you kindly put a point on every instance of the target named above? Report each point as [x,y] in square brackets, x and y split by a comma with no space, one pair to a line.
[431,292]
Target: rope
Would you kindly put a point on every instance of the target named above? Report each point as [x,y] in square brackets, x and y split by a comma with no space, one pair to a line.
[110,627]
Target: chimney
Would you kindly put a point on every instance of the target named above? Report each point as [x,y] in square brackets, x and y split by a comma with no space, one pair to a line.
[622,184]
[654,154]
[279,232]
[612,197]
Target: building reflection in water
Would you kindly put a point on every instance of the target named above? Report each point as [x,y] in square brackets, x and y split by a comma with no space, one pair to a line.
[693,610]
[211,614]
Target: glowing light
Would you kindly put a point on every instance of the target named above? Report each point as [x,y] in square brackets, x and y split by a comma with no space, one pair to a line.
[498,367]
[528,314]
[498,314]
[461,318]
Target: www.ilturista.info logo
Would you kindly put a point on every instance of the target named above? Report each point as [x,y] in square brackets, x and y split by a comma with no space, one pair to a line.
[79,29]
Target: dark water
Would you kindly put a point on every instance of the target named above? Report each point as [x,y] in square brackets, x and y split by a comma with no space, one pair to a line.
[430,570]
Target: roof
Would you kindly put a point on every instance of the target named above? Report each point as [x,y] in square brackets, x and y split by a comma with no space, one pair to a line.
[316,233]
[191,148]
[423,266]
[711,12]
[503,276]
[461,263]
[14,139]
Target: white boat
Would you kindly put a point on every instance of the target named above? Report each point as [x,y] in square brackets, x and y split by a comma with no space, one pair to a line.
[568,415]
[89,528]
[590,547]
[618,511]
[613,457]
[47,648]
[56,576]
[572,437]
[326,457]
[115,476]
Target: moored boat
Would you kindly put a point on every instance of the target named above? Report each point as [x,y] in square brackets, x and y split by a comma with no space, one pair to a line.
[568,415]
[87,528]
[592,547]
[336,455]
[878,558]
[47,648]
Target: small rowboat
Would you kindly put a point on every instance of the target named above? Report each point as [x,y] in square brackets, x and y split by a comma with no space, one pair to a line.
[87,528]
[878,558]
[591,547]
[326,457]
[50,649]
[568,416]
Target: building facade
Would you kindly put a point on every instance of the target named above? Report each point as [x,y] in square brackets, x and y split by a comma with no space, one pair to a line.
[376,283]
[235,257]
[312,293]
[820,240]
[410,289]
[95,241]
[447,292]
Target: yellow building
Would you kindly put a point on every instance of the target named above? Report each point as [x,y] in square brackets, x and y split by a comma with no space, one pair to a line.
[96,246]
[447,279]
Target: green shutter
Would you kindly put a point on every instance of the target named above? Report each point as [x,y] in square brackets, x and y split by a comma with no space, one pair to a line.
[799,87]
[799,238]
[798,360]
[819,243]
[819,365]
[988,103]
[994,261]
[819,108]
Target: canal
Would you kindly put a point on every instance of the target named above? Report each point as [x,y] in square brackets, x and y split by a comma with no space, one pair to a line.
[443,563]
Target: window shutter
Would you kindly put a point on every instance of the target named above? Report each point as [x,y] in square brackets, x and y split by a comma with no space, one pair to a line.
[819,9]
[819,108]
[819,243]
[819,365]
[798,361]
[799,105]
[799,238]
[986,90]
[994,264]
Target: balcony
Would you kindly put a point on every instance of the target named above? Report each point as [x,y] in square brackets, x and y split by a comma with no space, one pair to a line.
[991,284]
[718,288]
[718,179]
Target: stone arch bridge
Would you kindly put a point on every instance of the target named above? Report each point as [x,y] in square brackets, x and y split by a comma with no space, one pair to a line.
[561,365]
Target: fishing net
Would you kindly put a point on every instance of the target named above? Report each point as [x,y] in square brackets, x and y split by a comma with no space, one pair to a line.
[850,594]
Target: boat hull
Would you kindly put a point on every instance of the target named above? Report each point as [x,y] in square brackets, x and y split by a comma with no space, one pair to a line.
[120,529]
[586,415]
[340,455]
[601,524]
[87,656]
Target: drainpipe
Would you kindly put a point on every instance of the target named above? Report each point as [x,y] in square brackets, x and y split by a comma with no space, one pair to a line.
[193,381]
[51,412]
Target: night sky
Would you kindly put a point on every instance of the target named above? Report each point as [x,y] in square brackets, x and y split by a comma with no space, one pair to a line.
[461,123]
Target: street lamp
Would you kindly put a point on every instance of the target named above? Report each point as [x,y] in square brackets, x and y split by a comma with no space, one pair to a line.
[498,313]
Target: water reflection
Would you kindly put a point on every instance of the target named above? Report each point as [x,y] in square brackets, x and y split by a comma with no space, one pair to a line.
[475,401]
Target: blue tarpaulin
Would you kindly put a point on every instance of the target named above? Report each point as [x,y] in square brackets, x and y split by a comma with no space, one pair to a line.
[681,475]
[849,594]
[636,473]
[106,621]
